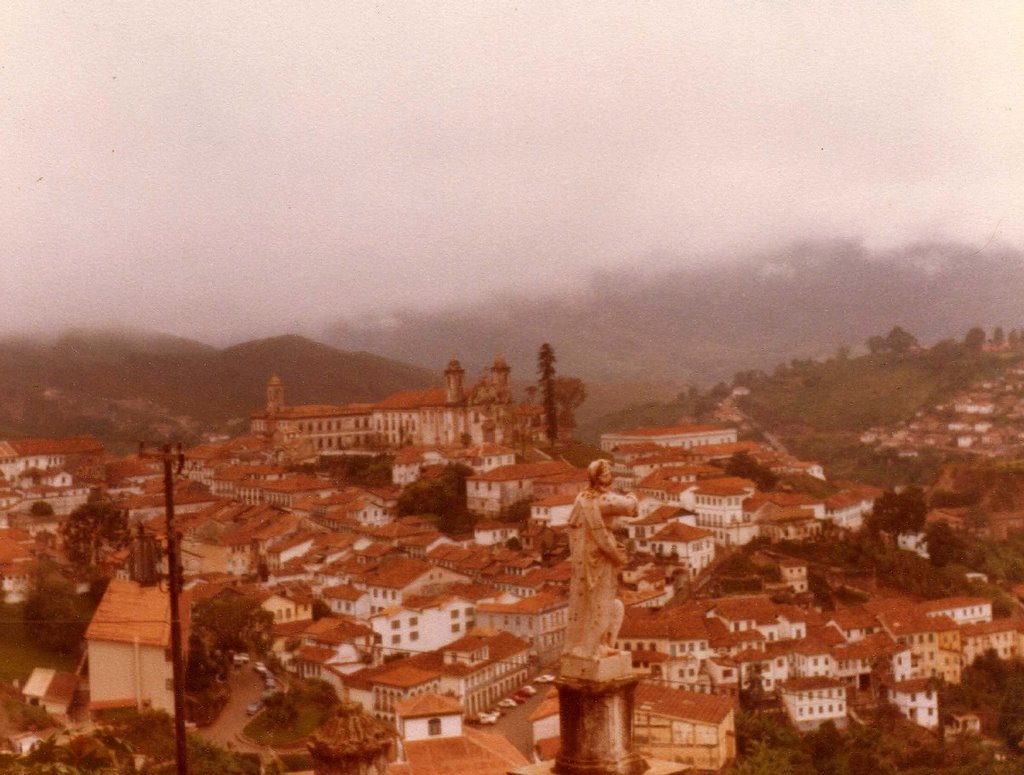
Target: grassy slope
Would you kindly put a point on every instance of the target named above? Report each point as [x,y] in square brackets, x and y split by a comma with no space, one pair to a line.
[855,394]
[19,654]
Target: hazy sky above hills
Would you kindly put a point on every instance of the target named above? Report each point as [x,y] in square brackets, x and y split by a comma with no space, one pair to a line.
[226,170]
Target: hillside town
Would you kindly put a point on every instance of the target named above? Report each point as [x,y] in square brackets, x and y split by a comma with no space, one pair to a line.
[438,634]
[986,420]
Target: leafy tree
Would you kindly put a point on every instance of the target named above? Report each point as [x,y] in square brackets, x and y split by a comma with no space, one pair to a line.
[230,622]
[975,339]
[876,344]
[546,380]
[55,614]
[765,760]
[443,497]
[517,513]
[944,546]
[41,509]
[202,669]
[1011,712]
[900,341]
[998,336]
[95,527]
[743,465]
[514,544]
[362,470]
[570,393]
[902,512]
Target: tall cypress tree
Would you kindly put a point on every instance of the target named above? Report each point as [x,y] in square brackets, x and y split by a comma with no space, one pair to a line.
[546,378]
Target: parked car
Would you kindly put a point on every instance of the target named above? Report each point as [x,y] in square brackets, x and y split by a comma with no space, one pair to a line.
[260,668]
[240,659]
[254,707]
[488,718]
[547,678]
[528,690]
[508,702]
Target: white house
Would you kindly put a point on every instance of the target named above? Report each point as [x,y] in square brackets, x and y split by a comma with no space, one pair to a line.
[685,436]
[917,700]
[552,511]
[719,507]
[129,641]
[810,702]
[692,547]
[490,533]
[962,610]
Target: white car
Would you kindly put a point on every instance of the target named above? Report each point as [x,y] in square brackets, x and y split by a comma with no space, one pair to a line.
[240,659]
[259,667]
[488,718]
[547,678]
[528,690]
[508,702]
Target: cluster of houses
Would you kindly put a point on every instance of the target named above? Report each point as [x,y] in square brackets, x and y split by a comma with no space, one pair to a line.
[820,666]
[987,420]
[401,618]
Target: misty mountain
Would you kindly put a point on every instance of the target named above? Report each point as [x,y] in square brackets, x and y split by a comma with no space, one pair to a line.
[705,323]
[124,385]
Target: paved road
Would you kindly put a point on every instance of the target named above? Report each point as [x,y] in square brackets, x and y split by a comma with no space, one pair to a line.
[515,724]
[246,687]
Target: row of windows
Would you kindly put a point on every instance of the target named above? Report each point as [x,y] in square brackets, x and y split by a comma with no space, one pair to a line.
[840,708]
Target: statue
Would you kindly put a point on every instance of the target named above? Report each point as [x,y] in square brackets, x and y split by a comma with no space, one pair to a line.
[595,614]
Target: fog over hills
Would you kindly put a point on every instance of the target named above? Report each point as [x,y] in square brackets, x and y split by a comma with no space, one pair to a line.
[705,323]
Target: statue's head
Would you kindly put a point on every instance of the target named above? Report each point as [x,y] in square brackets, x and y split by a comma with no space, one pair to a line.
[600,472]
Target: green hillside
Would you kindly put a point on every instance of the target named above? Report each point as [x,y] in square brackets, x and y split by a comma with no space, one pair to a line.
[125,386]
[853,394]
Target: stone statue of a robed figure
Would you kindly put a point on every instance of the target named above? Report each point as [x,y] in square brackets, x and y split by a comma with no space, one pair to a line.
[595,614]
[596,681]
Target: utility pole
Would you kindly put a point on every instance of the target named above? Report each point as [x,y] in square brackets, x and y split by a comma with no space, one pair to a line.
[173,463]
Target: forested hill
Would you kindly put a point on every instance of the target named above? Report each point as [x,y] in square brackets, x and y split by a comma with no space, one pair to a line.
[127,385]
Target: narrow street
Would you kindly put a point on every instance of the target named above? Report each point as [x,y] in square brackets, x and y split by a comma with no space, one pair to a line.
[246,687]
[515,725]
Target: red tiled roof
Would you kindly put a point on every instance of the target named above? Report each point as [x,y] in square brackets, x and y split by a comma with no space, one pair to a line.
[428,704]
[128,611]
[72,445]
[473,752]
[682,704]
[413,399]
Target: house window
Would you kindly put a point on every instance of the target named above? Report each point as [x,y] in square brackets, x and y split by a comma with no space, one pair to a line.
[395,624]
[455,613]
[434,726]
[396,639]
[456,627]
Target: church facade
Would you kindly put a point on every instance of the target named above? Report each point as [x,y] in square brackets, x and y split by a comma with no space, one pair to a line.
[456,414]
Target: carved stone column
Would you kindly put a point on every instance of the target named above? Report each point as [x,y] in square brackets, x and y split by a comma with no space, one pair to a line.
[596,720]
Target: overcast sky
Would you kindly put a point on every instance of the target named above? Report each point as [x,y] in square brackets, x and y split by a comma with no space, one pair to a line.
[225,170]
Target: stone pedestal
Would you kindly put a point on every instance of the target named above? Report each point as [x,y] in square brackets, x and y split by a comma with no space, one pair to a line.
[596,720]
